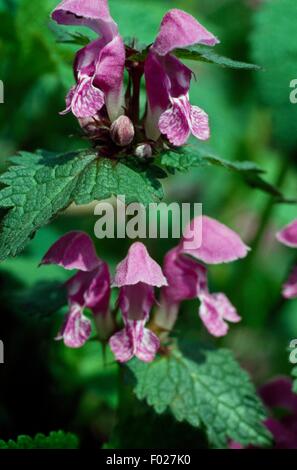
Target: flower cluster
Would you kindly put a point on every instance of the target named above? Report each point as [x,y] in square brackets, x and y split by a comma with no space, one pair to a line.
[288,236]
[184,276]
[107,113]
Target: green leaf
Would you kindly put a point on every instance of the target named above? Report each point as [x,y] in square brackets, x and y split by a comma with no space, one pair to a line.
[78,39]
[106,177]
[212,391]
[207,54]
[184,159]
[39,186]
[55,440]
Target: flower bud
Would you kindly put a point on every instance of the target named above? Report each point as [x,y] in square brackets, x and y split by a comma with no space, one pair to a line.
[143,151]
[122,131]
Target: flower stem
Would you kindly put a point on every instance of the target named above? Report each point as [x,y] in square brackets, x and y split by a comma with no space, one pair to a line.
[135,100]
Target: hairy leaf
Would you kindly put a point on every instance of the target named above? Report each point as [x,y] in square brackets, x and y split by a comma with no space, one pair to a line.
[207,54]
[55,440]
[211,391]
[39,186]
[188,157]
[105,178]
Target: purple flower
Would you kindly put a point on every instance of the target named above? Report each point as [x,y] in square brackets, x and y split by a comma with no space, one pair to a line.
[288,236]
[98,67]
[88,288]
[187,276]
[136,276]
[168,81]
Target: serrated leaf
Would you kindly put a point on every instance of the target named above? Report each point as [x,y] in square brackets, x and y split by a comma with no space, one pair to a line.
[212,391]
[105,178]
[55,440]
[39,186]
[207,54]
[251,173]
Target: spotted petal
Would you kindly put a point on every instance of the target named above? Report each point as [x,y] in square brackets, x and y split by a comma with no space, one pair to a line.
[182,119]
[87,100]
[134,340]
[215,309]
[76,329]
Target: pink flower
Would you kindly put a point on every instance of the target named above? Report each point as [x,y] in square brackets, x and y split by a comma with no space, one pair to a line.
[88,288]
[168,81]
[98,67]
[136,276]
[187,276]
[288,236]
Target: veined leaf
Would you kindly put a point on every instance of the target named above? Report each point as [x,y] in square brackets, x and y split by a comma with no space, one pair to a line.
[55,440]
[39,186]
[211,391]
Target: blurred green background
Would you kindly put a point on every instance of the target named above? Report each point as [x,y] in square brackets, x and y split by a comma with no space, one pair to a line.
[45,386]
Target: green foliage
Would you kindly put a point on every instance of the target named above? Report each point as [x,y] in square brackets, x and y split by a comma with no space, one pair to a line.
[39,186]
[55,440]
[274,46]
[138,416]
[204,54]
[188,157]
[207,54]
[42,299]
[129,14]
[211,391]
[106,177]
